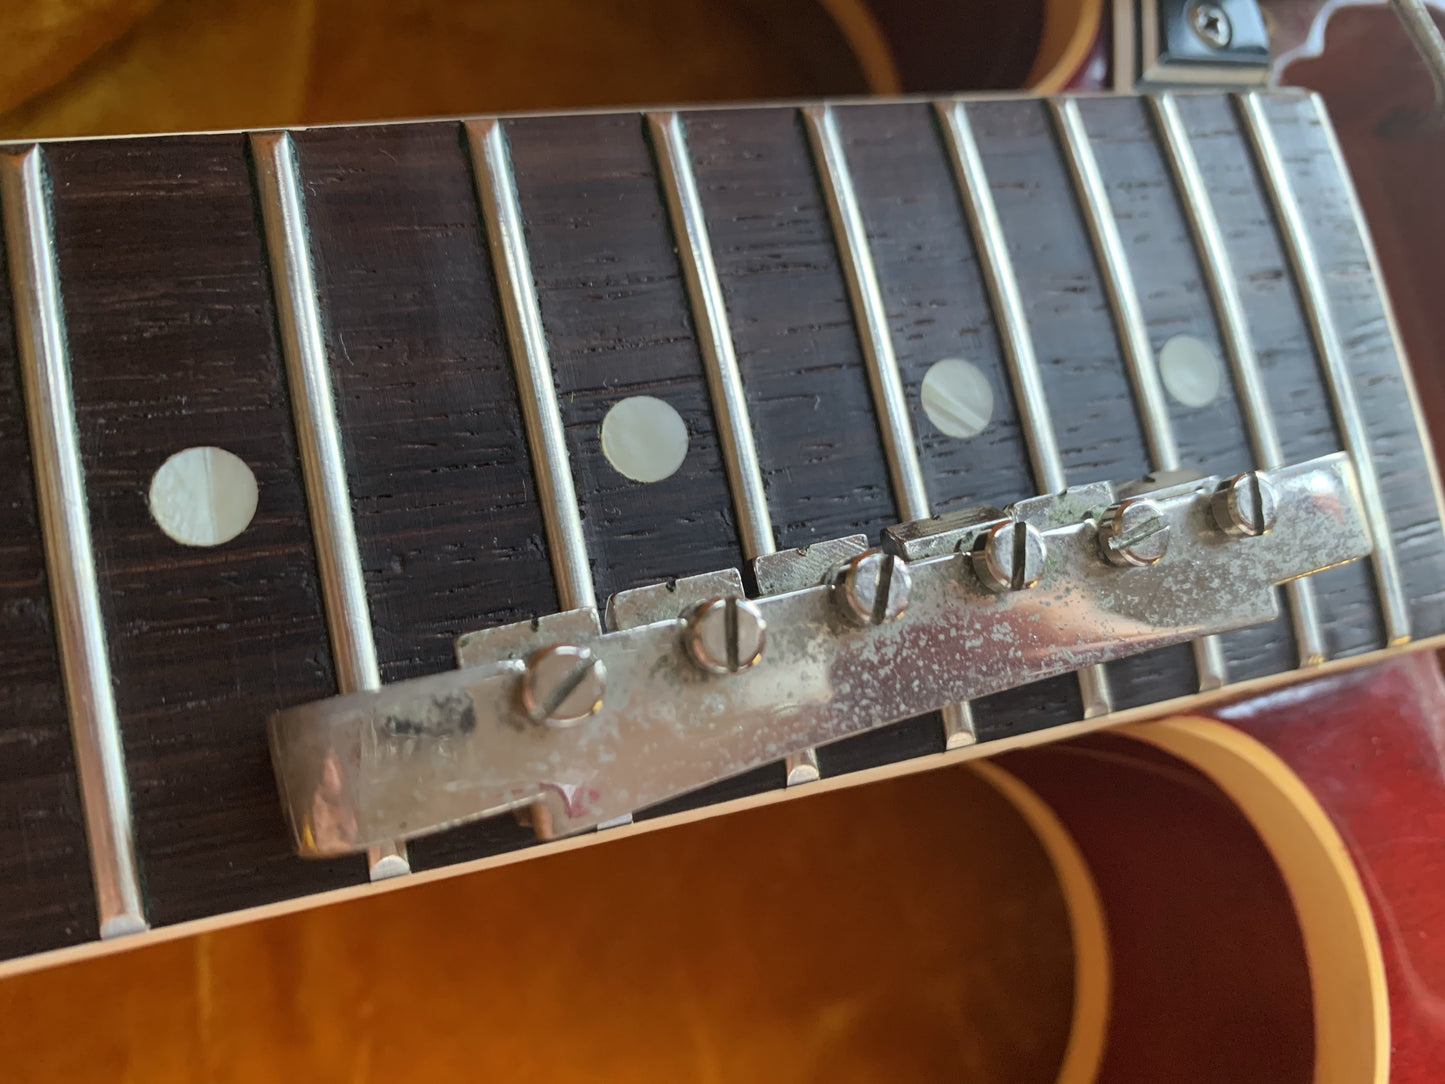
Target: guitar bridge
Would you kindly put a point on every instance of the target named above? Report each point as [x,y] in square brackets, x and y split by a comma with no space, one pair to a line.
[692,682]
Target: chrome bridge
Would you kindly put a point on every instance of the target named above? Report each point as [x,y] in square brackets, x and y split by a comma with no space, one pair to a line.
[694,682]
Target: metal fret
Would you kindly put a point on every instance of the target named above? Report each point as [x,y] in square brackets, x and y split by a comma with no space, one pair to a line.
[497,194]
[883,375]
[724,382]
[1018,347]
[868,313]
[1315,298]
[69,557]
[527,343]
[1129,323]
[1223,289]
[323,465]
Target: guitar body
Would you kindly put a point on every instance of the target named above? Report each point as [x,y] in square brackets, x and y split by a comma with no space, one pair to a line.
[1252,893]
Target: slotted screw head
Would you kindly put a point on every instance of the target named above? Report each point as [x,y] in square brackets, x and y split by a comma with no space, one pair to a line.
[1133,534]
[873,588]
[1211,24]
[563,685]
[1245,506]
[1010,557]
[726,635]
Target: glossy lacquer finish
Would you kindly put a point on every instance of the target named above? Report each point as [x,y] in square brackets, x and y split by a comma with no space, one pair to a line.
[1370,746]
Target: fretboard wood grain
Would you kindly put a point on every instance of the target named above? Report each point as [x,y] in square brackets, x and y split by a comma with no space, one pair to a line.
[173,341]
[44,870]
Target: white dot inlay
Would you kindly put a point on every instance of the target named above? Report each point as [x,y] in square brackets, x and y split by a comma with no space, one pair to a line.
[203,496]
[1190,370]
[957,397]
[644,438]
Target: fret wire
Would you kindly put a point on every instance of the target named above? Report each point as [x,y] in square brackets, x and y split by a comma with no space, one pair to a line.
[69,556]
[1129,325]
[1377,276]
[496,189]
[1223,290]
[1310,283]
[871,317]
[709,311]
[868,312]
[1012,323]
[720,363]
[323,464]
[527,343]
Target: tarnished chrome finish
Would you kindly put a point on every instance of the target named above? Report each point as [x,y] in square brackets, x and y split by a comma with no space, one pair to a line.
[1129,322]
[1010,556]
[1133,533]
[792,570]
[1223,289]
[65,529]
[518,640]
[1013,328]
[705,296]
[551,466]
[889,402]
[563,685]
[709,313]
[937,535]
[789,570]
[1245,506]
[874,588]
[666,601]
[726,635]
[421,755]
[323,465]
[1315,298]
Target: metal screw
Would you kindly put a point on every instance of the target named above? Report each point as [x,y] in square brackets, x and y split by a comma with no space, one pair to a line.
[1134,533]
[726,635]
[873,587]
[563,684]
[1010,557]
[1211,25]
[1245,505]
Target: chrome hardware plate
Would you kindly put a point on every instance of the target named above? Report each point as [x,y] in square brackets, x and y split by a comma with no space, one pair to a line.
[422,755]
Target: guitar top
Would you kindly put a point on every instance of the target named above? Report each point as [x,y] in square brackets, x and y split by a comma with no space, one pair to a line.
[484,372]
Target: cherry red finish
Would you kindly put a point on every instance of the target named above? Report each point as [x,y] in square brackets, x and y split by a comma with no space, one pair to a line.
[1209,979]
[1370,745]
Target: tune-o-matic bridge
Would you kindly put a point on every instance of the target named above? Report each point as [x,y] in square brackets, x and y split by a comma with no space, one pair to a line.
[695,682]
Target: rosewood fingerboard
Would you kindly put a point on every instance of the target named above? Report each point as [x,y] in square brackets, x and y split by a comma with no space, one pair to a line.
[174,338]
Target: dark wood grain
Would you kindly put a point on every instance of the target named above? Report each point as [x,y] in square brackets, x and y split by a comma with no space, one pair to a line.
[172,329]
[617,322]
[1374,360]
[1293,383]
[173,344]
[792,326]
[1159,247]
[937,303]
[441,481]
[800,357]
[938,307]
[1090,400]
[45,888]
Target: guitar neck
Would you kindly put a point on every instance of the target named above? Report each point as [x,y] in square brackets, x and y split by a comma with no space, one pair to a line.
[412,334]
